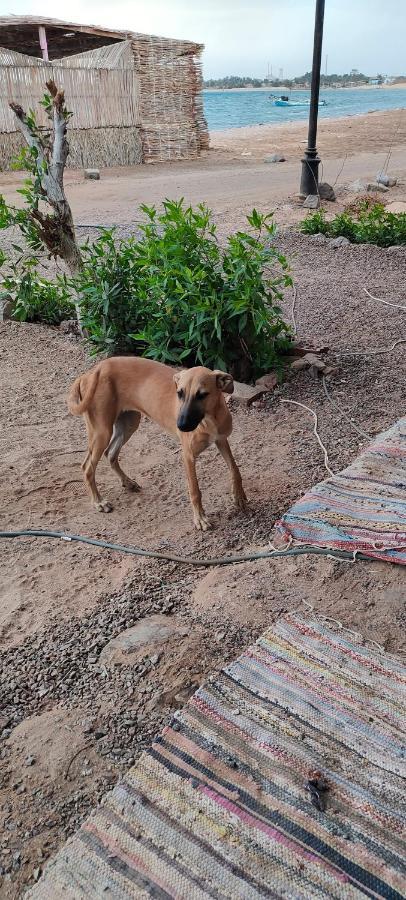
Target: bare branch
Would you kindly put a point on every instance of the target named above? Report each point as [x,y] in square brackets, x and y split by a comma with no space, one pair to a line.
[56,230]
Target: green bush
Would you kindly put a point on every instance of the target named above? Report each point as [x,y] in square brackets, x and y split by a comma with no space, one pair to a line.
[369,224]
[36,298]
[175,295]
[113,302]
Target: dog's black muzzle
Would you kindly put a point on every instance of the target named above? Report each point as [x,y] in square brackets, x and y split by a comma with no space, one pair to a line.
[189,419]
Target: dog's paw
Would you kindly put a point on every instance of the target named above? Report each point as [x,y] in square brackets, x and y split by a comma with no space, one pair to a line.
[131,486]
[104,506]
[241,502]
[201,522]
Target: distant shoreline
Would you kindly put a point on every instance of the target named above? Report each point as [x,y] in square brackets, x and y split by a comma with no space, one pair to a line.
[399,85]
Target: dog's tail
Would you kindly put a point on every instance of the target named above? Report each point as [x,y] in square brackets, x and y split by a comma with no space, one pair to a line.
[77,402]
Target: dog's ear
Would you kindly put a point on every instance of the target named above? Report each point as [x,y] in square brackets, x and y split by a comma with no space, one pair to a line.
[176,377]
[224,382]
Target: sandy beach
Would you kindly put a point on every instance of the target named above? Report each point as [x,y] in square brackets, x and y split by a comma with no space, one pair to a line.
[373,132]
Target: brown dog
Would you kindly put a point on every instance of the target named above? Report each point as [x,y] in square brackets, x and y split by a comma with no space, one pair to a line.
[189,405]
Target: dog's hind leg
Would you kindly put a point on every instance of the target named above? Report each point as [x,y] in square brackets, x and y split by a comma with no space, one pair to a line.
[125,425]
[240,499]
[98,442]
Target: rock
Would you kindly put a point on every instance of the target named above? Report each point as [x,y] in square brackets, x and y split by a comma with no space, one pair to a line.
[312,202]
[318,238]
[373,186]
[7,305]
[326,192]
[275,158]
[397,206]
[69,326]
[297,350]
[268,381]
[141,640]
[307,362]
[386,180]
[338,242]
[357,187]
[245,394]
[92,174]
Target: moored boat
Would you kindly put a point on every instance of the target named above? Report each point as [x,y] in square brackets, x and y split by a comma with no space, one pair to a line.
[287,101]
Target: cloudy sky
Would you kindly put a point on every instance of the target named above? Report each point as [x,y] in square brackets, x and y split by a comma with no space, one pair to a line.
[242,37]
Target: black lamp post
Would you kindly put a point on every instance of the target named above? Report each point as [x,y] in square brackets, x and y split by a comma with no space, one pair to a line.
[310,163]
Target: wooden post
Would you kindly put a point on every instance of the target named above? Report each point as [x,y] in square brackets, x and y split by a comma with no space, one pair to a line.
[43,42]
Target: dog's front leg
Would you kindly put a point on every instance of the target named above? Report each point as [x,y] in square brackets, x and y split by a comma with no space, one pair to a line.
[240,499]
[199,517]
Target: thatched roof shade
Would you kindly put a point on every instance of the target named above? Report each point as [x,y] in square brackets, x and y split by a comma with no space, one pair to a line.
[21,34]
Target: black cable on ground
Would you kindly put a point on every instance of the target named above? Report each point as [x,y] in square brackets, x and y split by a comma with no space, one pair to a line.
[188,560]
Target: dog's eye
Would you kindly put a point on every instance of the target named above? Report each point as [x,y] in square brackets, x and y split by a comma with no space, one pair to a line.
[201,395]
[180,394]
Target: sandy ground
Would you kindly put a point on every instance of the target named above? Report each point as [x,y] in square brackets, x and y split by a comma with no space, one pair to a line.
[61,604]
[227,179]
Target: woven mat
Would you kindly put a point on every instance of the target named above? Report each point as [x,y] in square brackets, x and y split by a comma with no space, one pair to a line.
[362,508]
[218,807]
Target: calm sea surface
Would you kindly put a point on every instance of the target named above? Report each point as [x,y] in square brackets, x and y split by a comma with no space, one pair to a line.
[231,109]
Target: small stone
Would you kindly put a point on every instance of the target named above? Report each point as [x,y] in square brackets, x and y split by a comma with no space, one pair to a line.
[357,187]
[386,180]
[92,174]
[319,238]
[7,305]
[275,158]
[30,760]
[338,242]
[245,394]
[307,362]
[373,186]
[268,381]
[326,192]
[312,201]
[36,873]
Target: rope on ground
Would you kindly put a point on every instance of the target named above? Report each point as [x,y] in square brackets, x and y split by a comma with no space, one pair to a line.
[315,432]
[342,411]
[376,352]
[191,561]
[386,302]
[341,169]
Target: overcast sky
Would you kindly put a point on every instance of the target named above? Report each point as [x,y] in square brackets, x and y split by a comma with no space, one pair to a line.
[242,37]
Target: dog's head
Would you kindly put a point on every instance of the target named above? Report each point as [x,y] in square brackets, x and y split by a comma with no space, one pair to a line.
[198,392]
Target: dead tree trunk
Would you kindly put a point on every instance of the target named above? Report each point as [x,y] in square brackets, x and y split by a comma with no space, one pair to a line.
[50,150]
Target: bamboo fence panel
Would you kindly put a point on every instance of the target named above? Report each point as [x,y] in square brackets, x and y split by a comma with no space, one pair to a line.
[139,100]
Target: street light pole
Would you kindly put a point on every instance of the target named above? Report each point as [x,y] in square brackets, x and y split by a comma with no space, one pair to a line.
[310,162]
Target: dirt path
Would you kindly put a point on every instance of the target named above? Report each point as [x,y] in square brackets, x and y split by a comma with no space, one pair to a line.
[233,173]
[61,604]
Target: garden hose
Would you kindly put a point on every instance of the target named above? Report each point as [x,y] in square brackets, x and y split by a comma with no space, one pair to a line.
[188,560]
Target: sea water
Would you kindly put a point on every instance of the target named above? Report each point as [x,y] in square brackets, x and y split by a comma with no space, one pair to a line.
[232,109]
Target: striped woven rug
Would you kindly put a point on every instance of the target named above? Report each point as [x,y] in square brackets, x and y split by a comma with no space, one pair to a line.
[362,508]
[219,808]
